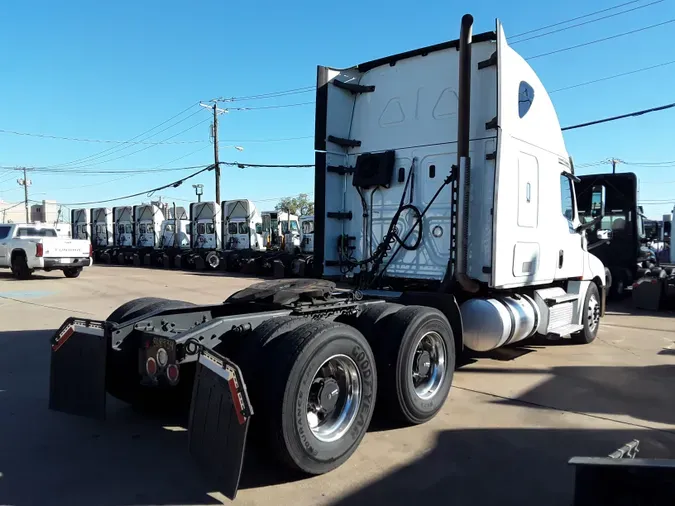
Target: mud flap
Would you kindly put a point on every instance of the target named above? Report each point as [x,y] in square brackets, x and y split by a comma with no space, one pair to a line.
[220,414]
[78,368]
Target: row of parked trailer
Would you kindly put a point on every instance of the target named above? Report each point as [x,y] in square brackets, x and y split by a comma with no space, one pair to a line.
[232,236]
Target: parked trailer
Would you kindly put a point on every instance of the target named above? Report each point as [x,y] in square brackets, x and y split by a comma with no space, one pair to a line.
[315,361]
[80,224]
[102,233]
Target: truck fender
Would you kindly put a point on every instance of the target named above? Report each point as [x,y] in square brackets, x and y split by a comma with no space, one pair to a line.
[444,302]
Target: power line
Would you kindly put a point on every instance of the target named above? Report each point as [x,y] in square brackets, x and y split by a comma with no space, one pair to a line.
[257,165]
[586,22]
[146,147]
[103,141]
[574,19]
[117,149]
[174,184]
[273,94]
[269,107]
[622,116]
[254,141]
[623,34]
[612,77]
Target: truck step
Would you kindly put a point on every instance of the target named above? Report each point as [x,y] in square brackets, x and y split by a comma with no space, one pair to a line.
[559,299]
[566,330]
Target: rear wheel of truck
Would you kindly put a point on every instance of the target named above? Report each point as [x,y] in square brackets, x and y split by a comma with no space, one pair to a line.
[590,317]
[371,315]
[72,272]
[415,353]
[316,398]
[20,267]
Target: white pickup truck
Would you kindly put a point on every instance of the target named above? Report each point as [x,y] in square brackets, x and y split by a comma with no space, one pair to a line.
[25,248]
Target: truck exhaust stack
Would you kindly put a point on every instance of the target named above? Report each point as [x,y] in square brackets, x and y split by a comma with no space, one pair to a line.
[463,158]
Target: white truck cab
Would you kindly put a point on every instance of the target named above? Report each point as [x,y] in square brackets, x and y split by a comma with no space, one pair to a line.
[206,225]
[80,223]
[307,234]
[175,230]
[123,226]
[466,125]
[148,225]
[101,227]
[242,225]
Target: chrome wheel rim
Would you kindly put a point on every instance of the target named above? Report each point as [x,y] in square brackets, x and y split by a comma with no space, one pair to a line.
[593,313]
[334,398]
[429,365]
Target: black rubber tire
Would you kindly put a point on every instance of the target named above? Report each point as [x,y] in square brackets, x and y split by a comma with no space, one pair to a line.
[586,335]
[138,307]
[212,260]
[369,317]
[73,272]
[394,351]
[246,354]
[618,288]
[20,267]
[290,363]
[669,271]
[608,279]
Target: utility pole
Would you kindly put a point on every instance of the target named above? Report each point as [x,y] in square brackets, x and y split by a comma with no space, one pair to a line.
[25,182]
[214,135]
[614,161]
[215,151]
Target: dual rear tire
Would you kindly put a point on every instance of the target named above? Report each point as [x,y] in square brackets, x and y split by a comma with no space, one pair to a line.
[315,384]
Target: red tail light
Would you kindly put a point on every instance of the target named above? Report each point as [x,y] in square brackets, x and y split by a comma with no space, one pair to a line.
[39,250]
[91,250]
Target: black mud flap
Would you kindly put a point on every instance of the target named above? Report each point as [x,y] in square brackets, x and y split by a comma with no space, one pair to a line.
[78,368]
[219,418]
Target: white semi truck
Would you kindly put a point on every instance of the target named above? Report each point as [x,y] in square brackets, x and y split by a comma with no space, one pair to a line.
[101,233]
[148,219]
[242,226]
[206,238]
[444,194]
[80,223]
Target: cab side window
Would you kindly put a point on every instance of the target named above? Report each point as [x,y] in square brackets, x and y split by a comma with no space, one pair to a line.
[4,232]
[566,198]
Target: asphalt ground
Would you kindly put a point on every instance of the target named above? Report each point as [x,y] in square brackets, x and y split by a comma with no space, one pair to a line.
[511,422]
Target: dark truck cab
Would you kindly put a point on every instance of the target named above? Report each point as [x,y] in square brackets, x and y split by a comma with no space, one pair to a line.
[618,239]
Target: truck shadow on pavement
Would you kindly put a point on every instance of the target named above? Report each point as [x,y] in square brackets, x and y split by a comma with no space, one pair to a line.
[53,458]
[496,466]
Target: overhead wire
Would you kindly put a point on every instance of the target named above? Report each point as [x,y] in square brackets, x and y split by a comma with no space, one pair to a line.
[604,39]
[622,116]
[622,74]
[116,149]
[553,25]
[585,23]
[101,141]
[174,184]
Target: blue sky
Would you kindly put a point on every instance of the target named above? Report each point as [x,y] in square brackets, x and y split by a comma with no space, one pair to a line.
[112,70]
